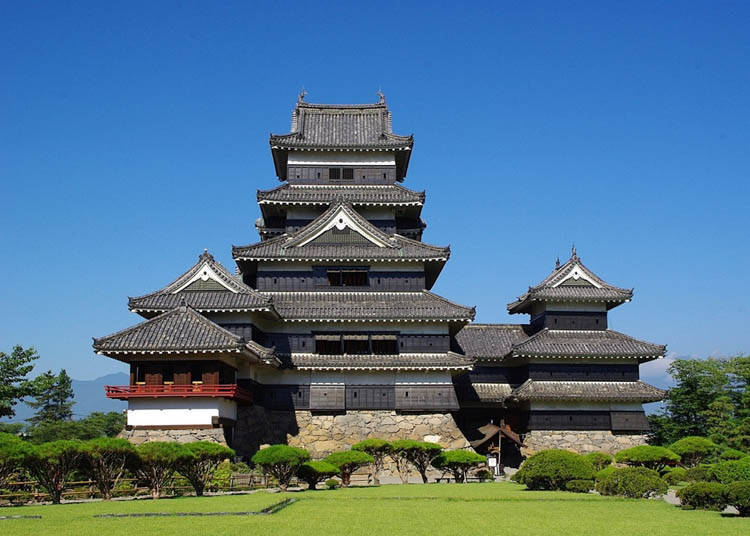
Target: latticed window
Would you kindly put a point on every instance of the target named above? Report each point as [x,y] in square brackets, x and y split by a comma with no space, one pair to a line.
[347,278]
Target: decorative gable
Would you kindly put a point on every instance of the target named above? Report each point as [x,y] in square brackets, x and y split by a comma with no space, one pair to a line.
[341,225]
[576,276]
[205,278]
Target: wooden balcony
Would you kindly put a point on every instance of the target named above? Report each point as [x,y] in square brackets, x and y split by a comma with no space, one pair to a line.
[230,391]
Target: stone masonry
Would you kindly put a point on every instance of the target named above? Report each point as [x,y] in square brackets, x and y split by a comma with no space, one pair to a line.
[143,435]
[580,441]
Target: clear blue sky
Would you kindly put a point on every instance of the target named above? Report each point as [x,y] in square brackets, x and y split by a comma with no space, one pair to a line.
[134,134]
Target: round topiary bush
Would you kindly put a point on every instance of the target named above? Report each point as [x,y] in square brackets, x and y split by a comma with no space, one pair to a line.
[702,496]
[732,454]
[692,450]
[633,482]
[599,460]
[730,471]
[675,476]
[484,475]
[579,486]
[281,462]
[648,456]
[332,483]
[552,469]
[314,472]
[737,494]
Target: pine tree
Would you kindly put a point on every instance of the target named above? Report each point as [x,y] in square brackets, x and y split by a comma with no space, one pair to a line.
[14,368]
[53,398]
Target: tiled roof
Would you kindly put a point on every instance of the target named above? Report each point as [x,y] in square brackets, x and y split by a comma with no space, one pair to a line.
[181,330]
[368,306]
[492,392]
[637,391]
[490,341]
[416,361]
[300,246]
[586,343]
[338,126]
[302,194]
[571,281]
[204,294]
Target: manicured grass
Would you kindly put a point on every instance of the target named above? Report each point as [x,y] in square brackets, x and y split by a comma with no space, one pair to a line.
[432,509]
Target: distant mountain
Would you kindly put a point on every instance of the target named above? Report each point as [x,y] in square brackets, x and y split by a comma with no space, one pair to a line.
[89,397]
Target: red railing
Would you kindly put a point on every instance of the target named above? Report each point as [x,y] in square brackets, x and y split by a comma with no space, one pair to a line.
[123,392]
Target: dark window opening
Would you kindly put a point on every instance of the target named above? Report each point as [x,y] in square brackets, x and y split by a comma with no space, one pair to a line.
[334,174]
[168,374]
[357,345]
[384,175]
[384,346]
[347,278]
[318,174]
[347,174]
[140,374]
[329,345]
[196,373]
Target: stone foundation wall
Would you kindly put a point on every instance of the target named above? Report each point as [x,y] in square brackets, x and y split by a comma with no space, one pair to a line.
[143,435]
[581,441]
[322,433]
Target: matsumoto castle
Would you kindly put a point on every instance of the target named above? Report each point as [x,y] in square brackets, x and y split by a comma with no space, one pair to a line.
[327,333]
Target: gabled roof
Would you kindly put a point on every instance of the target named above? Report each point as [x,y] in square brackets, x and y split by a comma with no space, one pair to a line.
[411,361]
[340,233]
[375,306]
[181,330]
[373,195]
[488,342]
[207,286]
[571,281]
[553,343]
[637,391]
[341,126]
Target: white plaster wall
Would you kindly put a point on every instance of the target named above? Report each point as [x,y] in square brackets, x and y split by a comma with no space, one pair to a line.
[331,158]
[178,411]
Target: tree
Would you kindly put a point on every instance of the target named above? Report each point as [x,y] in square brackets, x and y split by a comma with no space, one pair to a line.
[458,462]
[12,452]
[51,465]
[95,425]
[201,467]
[378,449]
[720,423]
[53,397]
[14,386]
[347,462]
[105,461]
[693,450]
[281,462]
[156,463]
[649,456]
[314,472]
[420,454]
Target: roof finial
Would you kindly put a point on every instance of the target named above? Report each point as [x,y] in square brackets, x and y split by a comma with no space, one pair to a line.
[557,263]
[183,303]
[301,96]
[574,253]
[381,97]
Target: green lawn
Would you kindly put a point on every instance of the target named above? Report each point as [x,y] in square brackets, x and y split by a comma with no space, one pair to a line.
[432,509]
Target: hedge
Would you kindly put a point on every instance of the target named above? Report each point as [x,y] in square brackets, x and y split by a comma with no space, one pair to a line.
[579,486]
[703,496]
[552,469]
[730,471]
[633,482]
[737,494]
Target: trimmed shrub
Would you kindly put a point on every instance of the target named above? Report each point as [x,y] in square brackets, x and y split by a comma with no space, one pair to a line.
[378,449]
[579,486]
[484,475]
[702,496]
[692,450]
[648,456]
[105,460]
[51,464]
[732,454]
[604,473]
[675,476]
[552,469]
[156,463]
[332,483]
[281,462]
[458,462]
[730,471]
[420,454]
[348,461]
[314,472]
[599,460]
[633,482]
[12,452]
[737,494]
[697,474]
[199,470]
